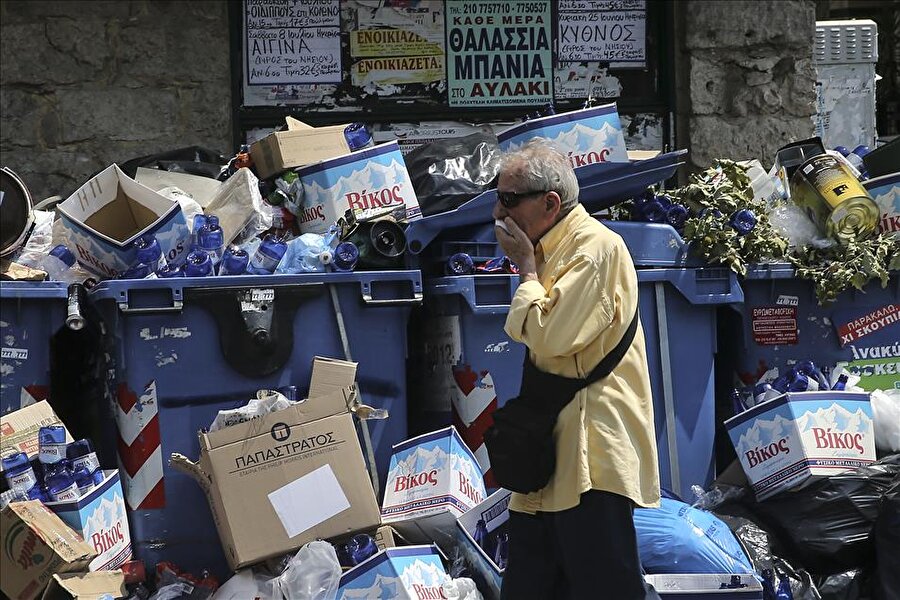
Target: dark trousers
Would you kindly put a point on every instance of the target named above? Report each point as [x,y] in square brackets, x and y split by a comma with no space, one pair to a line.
[589,551]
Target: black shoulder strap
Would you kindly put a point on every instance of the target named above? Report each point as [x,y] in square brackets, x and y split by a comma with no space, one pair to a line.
[565,388]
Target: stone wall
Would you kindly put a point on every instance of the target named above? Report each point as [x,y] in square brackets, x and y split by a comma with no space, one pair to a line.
[87,83]
[746,77]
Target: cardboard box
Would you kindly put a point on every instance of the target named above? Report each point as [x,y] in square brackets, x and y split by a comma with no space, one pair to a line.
[299,146]
[784,442]
[587,136]
[19,429]
[284,479]
[100,518]
[105,216]
[370,182]
[495,513]
[433,479]
[201,189]
[885,190]
[409,573]
[86,586]
[36,544]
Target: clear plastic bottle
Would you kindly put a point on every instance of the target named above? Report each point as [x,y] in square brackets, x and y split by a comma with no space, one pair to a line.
[460,264]
[51,444]
[234,261]
[358,136]
[856,159]
[137,271]
[196,225]
[360,547]
[60,483]
[501,554]
[267,257]
[149,252]
[81,455]
[211,239]
[84,480]
[198,264]
[18,472]
[59,263]
[170,271]
[345,256]
[841,384]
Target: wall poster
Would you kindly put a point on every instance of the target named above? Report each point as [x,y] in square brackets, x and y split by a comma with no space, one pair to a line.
[289,43]
[499,53]
[613,31]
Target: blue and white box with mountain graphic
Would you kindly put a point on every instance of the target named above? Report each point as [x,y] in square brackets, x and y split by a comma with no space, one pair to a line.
[786,441]
[408,573]
[371,182]
[586,136]
[433,479]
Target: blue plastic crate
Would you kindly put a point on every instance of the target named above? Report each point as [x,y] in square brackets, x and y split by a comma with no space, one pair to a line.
[186,348]
[462,340]
[781,321]
[31,312]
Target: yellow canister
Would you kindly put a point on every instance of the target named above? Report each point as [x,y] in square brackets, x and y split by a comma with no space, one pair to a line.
[834,199]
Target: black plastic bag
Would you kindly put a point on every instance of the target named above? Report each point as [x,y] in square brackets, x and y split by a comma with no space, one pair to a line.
[447,173]
[849,585]
[886,579]
[192,160]
[827,526]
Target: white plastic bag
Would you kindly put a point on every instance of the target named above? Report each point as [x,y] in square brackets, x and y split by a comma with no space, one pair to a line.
[461,588]
[245,585]
[39,242]
[312,574]
[886,418]
[266,401]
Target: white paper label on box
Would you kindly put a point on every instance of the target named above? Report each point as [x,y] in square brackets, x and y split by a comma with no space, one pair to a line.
[309,500]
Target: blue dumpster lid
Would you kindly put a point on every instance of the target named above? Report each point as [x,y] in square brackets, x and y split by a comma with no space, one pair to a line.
[602,186]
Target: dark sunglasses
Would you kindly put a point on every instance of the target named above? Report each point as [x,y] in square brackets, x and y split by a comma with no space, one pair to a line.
[512,199]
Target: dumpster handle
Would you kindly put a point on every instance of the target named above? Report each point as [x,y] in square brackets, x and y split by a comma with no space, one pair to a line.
[668,399]
[177,306]
[416,299]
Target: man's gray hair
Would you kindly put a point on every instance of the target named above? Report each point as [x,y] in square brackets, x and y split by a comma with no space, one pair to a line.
[541,166]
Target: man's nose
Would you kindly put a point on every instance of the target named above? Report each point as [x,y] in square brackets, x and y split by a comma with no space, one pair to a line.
[499,211]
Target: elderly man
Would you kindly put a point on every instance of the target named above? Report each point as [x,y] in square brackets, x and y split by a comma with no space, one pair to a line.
[575,305]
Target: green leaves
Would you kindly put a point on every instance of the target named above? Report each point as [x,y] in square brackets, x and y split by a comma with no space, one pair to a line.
[717,193]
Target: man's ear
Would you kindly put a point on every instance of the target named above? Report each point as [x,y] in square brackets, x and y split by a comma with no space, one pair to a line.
[554,203]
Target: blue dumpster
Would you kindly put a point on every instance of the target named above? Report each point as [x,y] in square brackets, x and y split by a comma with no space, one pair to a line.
[467,366]
[781,321]
[31,312]
[184,349]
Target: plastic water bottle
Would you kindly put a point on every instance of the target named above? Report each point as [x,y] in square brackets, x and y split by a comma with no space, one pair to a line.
[461,264]
[198,264]
[345,256]
[18,472]
[149,252]
[676,216]
[743,221]
[197,224]
[654,211]
[737,404]
[360,547]
[137,271]
[58,264]
[268,255]
[51,444]
[481,534]
[234,261]
[170,271]
[501,554]
[784,590]
[211,239]
[803,383]
[81,455]
[61,484]
[856,159]
[809,368]
[84,480]
[841,384]
[358,136]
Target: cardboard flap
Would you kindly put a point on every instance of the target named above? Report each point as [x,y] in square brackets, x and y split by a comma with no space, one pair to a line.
[182,463]
[305,411]
[49,527]
[330,374]
[296,124]
[86,586]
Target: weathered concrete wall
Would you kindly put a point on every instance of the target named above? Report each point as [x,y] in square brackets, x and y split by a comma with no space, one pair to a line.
[747,81]
[87,83]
